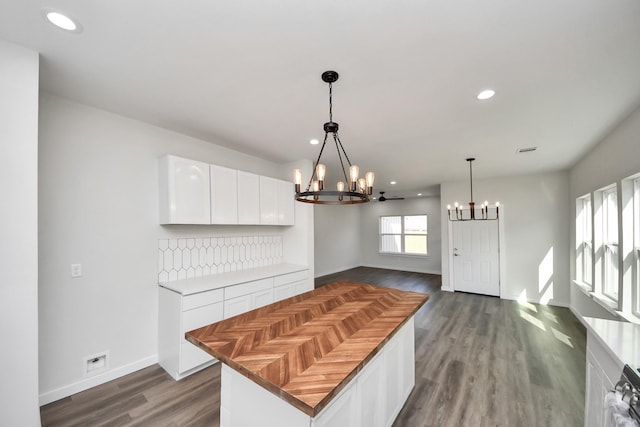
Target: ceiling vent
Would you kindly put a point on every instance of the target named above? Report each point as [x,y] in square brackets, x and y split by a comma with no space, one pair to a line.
[526,150]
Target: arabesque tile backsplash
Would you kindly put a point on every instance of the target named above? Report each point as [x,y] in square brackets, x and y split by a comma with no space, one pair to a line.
[184,258]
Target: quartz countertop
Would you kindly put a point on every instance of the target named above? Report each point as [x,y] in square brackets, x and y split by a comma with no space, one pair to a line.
[216,281]
[621,339]
[307,348]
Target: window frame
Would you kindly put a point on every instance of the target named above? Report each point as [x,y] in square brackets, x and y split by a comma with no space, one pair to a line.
[402,235]
[610,246]
[584,241]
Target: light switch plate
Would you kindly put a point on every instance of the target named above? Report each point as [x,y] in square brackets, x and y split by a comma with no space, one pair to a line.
[76,270]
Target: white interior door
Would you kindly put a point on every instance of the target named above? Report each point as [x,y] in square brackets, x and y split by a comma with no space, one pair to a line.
[476,258]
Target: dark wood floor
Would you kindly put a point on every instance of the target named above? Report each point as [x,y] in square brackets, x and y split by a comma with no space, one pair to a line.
[480,361]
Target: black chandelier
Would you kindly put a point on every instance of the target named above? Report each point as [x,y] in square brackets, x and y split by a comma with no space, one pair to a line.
[350,191]
[459,212]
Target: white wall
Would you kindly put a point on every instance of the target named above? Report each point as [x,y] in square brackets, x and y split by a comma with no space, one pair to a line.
[99,208]
[19,231]
[338,242]
[614,158]
[535,220]
[369,229]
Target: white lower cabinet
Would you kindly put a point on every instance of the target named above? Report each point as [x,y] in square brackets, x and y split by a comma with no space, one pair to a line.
[177,315]
[372,399]
[602,374]
[241,298]
[288,285]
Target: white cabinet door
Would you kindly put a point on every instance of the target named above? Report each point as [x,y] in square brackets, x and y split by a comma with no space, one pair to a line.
[285,203]
[342,412]
[594,409]
[184,191]
[268,201]
[371,394]
[283,292]
[303,286]
[235,306]
[224,195]
[261,298]
[248,198]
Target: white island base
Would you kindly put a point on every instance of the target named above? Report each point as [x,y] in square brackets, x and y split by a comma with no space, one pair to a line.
[373,398]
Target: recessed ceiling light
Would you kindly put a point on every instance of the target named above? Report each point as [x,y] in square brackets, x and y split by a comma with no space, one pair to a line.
[486,94]
[62,21]
[393,183]
[419,194]
[314,142]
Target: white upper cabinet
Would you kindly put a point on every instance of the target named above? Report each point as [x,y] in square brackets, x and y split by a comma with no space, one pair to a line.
[184,191]
[268,201]
[285,203]
[193,192]
[224,195]
[248,198]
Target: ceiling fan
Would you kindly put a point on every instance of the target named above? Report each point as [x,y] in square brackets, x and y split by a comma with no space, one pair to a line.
[382,198]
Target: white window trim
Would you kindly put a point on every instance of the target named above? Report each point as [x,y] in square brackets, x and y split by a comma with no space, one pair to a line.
[402,234]
[607,247]
[584,243]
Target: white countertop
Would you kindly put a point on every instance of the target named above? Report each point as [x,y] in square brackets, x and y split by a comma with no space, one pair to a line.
[621,339]
[216,281]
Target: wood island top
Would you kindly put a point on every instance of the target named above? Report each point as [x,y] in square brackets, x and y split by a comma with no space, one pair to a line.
[305,349]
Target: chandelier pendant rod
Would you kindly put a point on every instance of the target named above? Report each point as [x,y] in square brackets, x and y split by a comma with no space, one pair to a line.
[315,165]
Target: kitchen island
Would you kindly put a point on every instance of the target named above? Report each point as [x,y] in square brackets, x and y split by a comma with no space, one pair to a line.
[340,355]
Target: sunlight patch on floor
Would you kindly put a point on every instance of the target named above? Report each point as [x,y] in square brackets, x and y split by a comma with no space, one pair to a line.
[564,338]
[535,322]
[522,300]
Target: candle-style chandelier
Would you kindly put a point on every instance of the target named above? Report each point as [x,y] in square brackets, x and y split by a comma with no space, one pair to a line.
[350,191]
[459,211]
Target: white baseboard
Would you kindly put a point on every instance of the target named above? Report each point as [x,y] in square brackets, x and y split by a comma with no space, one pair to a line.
[578,315]
[552,302]
[87,383]
[393,267]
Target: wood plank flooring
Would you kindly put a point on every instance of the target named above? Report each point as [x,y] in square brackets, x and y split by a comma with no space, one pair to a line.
[480,361]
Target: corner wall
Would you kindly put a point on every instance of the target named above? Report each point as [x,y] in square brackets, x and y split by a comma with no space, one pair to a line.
[613,159]
[369,232]
[19,231]
[535,220]
[99,208]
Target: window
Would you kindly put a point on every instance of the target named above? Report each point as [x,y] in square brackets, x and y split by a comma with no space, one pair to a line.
[584,244]
[403,234]
[610,242]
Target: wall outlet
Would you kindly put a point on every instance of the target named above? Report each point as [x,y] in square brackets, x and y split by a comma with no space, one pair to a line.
[76,270]
[96,363]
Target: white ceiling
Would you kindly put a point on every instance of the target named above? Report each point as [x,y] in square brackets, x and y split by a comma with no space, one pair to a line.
[247,74]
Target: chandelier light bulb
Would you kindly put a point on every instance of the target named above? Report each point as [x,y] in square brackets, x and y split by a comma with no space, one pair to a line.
[297,179]
[321,170]
[362,185]
[354,171]
[340,186]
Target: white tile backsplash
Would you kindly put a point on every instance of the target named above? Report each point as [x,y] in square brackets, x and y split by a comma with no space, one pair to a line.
[184,258]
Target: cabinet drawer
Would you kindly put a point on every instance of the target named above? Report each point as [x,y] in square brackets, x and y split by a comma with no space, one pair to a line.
[201,316]
[291,277]
[248,288]
[202,298]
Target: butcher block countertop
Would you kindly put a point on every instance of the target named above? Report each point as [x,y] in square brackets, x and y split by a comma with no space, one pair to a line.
[305,349]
